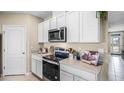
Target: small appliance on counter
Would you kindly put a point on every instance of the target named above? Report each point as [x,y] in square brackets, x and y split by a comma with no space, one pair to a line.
[52,50]
[43,50]
[71,53]
[51,65]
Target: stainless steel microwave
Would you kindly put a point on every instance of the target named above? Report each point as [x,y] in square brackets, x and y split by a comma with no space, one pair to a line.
[57,35]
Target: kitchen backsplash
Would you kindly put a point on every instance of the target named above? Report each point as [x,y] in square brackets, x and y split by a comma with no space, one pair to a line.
[75,46]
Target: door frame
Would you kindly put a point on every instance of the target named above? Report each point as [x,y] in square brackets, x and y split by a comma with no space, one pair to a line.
[3,46]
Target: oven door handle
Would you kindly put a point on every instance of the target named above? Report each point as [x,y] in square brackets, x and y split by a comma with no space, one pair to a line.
[48,61]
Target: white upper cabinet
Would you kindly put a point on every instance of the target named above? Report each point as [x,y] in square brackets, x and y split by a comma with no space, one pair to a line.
[53,23]
[89,27]
[60,20]
[40,32]
[73,26]
[45,30]
[82,27]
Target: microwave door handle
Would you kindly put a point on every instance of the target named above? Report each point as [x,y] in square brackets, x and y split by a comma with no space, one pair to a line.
[59,35]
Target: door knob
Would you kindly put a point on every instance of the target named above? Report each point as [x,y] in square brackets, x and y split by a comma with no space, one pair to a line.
[23,52]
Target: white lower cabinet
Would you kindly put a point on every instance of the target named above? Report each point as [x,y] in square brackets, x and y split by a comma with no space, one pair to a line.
[75,72]
[37,67]
[34,66]
[77,78]
[64,76]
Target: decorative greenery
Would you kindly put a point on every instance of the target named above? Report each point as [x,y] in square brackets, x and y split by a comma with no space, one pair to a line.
[103,14]
[76,53]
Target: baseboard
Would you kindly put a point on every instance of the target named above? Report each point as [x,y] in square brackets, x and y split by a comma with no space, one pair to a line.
[29,73]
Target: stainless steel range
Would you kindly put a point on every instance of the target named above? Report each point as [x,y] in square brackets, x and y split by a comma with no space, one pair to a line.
[51,65]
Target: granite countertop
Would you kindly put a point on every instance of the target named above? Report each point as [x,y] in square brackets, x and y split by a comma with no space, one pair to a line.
[81,66]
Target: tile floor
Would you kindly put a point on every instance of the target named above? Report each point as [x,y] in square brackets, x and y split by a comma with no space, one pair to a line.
[116,68]
[20,78]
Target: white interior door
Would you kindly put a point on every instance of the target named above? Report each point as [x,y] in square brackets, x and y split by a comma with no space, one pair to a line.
[15,52]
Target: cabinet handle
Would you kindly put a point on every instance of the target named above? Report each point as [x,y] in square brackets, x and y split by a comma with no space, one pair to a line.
[96,14]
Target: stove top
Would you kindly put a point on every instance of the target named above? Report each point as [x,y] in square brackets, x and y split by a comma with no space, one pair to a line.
[52,58]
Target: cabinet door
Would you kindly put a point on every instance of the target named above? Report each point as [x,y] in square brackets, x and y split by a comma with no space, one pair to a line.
[76,78]
[33,66]
[40,32]
[73,26]
[90,27]
[60,20]
[64,76]
[39,69]
[53,23]
[45,30]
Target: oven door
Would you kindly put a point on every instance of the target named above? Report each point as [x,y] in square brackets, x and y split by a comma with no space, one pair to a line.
[51,71]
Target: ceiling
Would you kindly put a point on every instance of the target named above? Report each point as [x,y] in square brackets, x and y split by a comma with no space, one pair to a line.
[115,17]
[41,14]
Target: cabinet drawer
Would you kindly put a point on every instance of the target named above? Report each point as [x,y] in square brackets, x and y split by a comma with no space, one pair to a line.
[64,76]
[36,57]
[76,78]
[33,66]
[39,69]
[81,73]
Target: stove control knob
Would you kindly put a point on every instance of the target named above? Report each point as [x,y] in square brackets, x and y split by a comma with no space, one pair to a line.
[56,77]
